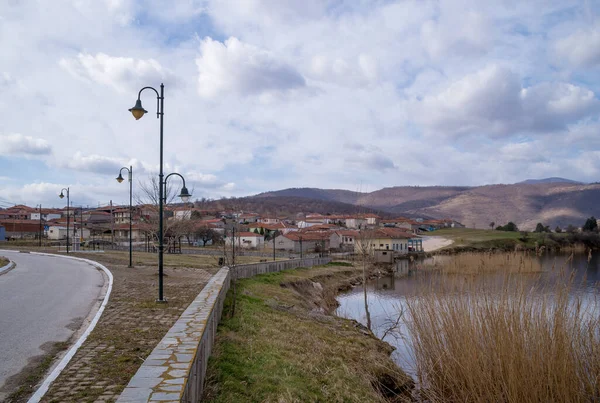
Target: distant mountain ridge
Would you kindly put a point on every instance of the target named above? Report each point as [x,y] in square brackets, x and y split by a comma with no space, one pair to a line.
[549,180]
[551,201]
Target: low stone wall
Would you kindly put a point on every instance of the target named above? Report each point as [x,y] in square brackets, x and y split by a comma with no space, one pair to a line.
[175,370]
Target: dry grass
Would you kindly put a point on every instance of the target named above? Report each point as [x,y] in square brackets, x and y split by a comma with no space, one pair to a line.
[281,347]
[482,263]
[3,261]
[517,342]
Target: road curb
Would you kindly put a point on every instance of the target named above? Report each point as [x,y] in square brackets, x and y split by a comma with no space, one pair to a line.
[41,391]
[11,265]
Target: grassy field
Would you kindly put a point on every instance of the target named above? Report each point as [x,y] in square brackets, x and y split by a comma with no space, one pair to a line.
[486,239]
[281,346]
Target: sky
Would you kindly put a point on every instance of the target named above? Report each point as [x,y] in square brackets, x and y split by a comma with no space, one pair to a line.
[268,94]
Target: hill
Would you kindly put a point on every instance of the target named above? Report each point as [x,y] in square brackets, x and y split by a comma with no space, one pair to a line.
[549,180]
[288,206]
[551,202]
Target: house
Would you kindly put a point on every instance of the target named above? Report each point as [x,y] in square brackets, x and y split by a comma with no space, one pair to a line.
[269,220]
[401,222]
[247,240]
[215,223]
[182,213]
[309,222]
[18,212]
[386,239]
[21,228]
[57,232]
[372,219]
[356,222]
[121,215]
[138,232]
[303,241]
[343,239]
[46,214]
[248,218]
[269,229]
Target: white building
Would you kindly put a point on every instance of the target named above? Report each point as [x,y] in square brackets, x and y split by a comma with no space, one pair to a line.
[182,213]
[57,232]
[247,240]
[46,217]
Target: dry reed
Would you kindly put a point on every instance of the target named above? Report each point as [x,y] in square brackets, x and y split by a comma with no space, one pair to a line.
[490,262]
[507,341]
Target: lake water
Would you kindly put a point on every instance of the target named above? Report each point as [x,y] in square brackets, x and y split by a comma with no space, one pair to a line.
[387,295]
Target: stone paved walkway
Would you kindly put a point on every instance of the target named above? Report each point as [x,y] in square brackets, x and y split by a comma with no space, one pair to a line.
[131,326]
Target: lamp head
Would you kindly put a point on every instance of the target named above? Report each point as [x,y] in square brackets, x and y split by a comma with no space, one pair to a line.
[185,195]
[120,178]
[61,195]
[138,111]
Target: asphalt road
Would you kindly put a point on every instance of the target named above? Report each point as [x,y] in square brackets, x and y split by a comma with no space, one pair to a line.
[44,299]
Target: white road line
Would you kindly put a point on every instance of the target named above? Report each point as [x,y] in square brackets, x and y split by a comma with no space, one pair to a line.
[41,391]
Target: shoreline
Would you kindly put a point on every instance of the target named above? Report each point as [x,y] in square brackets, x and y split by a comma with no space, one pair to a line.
[432,243]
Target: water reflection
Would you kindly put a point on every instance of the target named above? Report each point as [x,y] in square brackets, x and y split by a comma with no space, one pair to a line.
[386,296]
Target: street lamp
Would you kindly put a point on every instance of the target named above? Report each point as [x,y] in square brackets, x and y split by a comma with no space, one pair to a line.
[61,195]
[184,194]
[120,180]
[138,111]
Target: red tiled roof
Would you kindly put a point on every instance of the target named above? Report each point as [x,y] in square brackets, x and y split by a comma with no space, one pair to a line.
[307,236]
[270,227]
[321,227]
[396,233]
[248,234]
[348,232]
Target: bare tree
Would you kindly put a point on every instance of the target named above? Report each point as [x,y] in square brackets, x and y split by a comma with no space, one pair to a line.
[147,197]
[364,249]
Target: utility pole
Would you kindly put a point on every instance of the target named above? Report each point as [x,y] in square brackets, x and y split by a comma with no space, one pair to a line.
[233,246]
[300,246]
[40,244]
[274,246]
[112,224]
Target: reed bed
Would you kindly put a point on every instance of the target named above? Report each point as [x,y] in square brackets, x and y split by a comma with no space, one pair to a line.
[514,341]
[482,263]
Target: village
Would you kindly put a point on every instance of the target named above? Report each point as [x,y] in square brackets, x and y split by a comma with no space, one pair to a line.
[189,227]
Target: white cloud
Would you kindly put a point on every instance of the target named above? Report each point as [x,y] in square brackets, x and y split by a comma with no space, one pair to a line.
[443,37]
[242,69]
[16,144]
[492,101]
[124,74]
[581,48]
[274,105]
[95,163]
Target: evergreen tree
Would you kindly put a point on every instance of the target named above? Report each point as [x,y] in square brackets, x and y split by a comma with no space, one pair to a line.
[590,224]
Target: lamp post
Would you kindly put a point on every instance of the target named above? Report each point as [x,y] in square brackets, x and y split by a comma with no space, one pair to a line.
[138,111]
[61,195]
[120,180]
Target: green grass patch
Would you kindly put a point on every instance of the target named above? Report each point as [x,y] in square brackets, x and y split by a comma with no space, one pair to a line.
[481,239]
[279,347]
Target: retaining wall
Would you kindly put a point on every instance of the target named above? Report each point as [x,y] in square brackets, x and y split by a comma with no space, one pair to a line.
[175,370]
